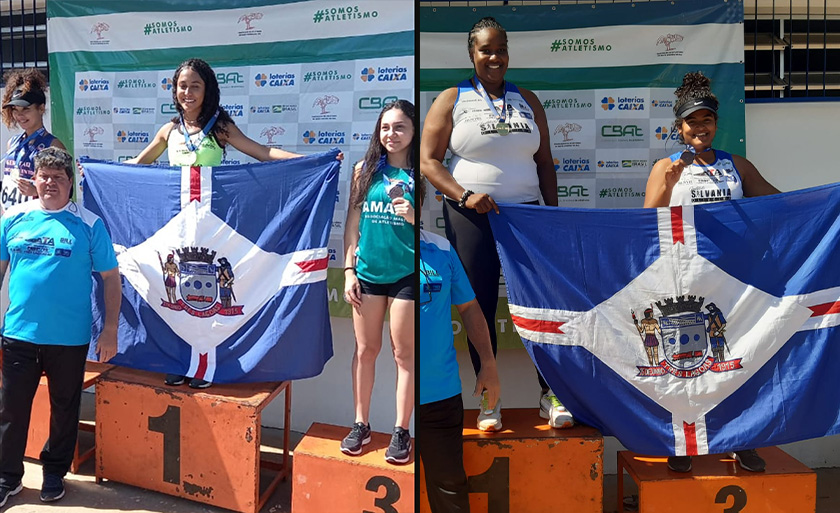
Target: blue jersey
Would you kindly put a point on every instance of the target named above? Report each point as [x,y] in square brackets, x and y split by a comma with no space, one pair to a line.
[20,158]
[443,283]
[51,256]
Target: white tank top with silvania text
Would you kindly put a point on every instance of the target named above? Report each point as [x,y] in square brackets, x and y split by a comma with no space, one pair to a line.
[486,162]
[698,184]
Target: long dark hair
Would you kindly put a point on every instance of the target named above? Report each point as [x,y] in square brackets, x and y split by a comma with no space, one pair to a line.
[212,97]
[27,80]
[695,86]
[376,151]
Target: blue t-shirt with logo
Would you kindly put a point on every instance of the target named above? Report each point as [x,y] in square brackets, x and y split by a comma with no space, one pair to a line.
[51,257]
[443,283]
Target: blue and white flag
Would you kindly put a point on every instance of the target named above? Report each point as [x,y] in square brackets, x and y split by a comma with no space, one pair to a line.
[684,330]
[223,269]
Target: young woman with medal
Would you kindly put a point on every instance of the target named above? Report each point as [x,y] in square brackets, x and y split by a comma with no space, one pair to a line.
[499,140]
[198,135]
[24,104]
[379,271]
[701,174]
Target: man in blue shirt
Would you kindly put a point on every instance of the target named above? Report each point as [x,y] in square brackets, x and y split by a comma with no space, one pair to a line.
[444,283]
[50,246]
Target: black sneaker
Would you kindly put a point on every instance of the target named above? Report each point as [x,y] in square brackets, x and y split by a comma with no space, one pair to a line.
[52,489]
[399,450]
[199,383]
[7,491]
[750,460]
[679,463]
[174,380]
[359,435]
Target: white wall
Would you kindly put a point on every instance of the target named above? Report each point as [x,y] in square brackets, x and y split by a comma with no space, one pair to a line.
[794,146]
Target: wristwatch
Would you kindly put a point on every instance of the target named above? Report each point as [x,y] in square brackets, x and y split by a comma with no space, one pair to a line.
[463,201]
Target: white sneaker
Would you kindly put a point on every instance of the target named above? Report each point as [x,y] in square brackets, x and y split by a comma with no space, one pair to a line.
[553,410]
[489,419]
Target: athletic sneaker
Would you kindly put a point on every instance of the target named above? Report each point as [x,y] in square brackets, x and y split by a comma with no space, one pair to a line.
[679,463]
[552,409]
[489,419]
[399,450]
[199,383]
[52,488]
[7,491]
[749,460]
[359,435]
[174,380]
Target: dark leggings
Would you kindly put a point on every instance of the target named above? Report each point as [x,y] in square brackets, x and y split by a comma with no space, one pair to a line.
[470,234]
[440,427]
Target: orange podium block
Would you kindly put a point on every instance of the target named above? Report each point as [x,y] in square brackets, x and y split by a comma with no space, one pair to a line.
[513,470]
[325,479]
[202,445]
[717,483]
[39,423]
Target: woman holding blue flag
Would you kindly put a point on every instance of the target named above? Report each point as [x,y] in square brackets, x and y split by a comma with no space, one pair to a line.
[379,271]
[499,139]
[701,174]
[24,104]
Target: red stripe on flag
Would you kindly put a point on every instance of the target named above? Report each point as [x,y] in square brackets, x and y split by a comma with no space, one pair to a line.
[309,266]
[690,439]
[677,224]
[195,183]
[537,325]
[202,366]
[825,309]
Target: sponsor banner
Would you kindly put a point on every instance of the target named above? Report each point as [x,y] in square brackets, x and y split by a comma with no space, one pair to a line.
[325,107]
[576,192]
[622,103]
[560,105]
[620,191]
[572,134]
[195,29]
[574,161]
[385,74]
[275,79]
[623,161]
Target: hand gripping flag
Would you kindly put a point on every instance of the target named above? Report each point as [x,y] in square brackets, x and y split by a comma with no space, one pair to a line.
[684,330]
[223,269]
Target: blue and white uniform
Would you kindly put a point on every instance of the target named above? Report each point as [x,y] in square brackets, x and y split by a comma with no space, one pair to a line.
[20,155]
[700,184]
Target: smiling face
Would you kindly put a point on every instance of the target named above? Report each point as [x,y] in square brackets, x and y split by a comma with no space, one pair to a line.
[698,129]
[190,93]
[29,118]
[396,131]
[53,186]
[490,56]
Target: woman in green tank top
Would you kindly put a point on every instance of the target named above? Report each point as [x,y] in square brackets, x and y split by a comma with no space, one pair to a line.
[379,271]
[208,126]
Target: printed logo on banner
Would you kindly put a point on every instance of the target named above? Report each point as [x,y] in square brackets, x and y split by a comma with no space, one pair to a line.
[249,18]
[327,75]
[135,83]
[566,103]
[90,111]
[663,133]
[567,130]
[608,164]
[375,102]
[132,111]
[168,108]
[384,74]
[568,165]
[575,192]
[206,289]
[98,29]
[230,80]
[166,84]
[620,192]
[579,45]
[662,104]
[322,103]
[92,132]
[623,103]
[338,14]
[270,132]
[671,44]
[361,137]
[629,132]
[165,27]
[608,103]
[236,110]
[274,79]
[326,137]
[133,136]
[94,84]
[631,163]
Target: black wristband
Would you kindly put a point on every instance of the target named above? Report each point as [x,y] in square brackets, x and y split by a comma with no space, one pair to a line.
[463,201]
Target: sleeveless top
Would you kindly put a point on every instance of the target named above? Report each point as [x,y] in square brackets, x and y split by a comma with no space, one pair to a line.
[699,184]
[385,253]
[208,153]
[9,194]
[486,162]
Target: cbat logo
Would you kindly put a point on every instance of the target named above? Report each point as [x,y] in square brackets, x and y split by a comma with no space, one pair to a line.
[375,102]
[668,40]
[309,137]
[248,18]
[621,131]
[572,191]
[98,29]
[272,131]
[230,78]
[323,101]
[368,74]
[608,103]
[261,79]
[206,288]
[166,84]
[168,108]
[567,129]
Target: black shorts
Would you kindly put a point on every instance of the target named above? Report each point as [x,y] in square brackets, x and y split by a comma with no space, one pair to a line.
[400,289]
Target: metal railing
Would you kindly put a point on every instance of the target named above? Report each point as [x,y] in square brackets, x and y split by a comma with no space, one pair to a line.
[23,35]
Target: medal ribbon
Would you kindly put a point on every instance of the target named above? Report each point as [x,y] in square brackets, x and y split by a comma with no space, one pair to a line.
[204,131]
[489,102]
[17,151]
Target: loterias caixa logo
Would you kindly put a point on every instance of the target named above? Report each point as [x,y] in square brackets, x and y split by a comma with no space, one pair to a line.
[692,342]
[206,289]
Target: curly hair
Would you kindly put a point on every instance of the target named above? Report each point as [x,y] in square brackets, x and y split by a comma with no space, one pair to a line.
[212,97]
[484,23]
[695,86]
[29,79]
[376,152]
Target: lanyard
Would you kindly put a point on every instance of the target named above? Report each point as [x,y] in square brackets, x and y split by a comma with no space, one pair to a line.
[489,102]
[22,144]
[397,188]
[204,131]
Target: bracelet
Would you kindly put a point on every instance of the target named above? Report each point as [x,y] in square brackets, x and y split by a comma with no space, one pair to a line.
[463,201]
[351,267]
